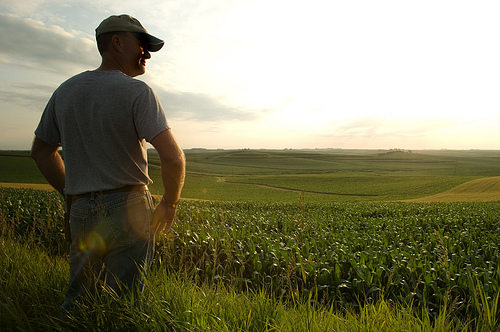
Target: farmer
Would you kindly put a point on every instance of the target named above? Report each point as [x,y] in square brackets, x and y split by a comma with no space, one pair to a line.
[102,119]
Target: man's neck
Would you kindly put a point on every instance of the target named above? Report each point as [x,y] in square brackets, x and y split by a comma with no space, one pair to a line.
[111,63]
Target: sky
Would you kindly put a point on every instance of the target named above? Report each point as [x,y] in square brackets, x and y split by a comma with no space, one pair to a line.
[276,74]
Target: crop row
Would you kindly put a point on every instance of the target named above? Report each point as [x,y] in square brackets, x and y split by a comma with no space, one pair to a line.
[335,254]
[345,253]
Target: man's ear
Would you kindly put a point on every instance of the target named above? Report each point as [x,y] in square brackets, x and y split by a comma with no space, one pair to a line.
[117,42]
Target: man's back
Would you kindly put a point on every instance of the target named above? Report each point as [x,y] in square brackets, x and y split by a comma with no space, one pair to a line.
[102,119]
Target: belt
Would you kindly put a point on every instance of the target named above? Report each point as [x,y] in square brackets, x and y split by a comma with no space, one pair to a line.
[135,187]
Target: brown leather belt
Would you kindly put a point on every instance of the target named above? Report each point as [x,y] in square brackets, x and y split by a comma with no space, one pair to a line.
[135,187]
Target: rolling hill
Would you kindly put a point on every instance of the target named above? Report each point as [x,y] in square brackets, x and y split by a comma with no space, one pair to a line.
[480,190]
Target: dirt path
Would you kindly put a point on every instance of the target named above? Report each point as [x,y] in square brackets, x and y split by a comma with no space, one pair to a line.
[38,186]
[296,190]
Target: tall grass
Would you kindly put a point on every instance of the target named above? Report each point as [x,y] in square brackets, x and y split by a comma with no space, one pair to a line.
[485,306]
[32,285]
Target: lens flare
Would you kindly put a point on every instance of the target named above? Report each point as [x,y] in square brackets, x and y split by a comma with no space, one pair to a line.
[93,242]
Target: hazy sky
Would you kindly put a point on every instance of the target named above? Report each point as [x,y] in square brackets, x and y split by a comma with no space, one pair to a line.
[277,73]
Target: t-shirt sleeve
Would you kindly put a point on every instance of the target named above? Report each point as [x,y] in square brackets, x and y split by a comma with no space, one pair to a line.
[149,117]
[48,129]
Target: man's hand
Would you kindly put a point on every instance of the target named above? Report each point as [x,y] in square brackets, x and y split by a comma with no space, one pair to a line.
[163,218]
[173,169]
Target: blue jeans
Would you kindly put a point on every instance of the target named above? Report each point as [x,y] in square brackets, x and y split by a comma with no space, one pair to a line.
[112,243]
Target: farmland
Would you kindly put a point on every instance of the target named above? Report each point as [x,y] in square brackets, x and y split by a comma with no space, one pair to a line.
[319,175]
[330,175]
[327,228]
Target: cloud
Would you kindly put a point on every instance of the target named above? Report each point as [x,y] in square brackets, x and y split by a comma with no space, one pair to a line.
[33,44]
[383,127]
[22,6]
[204,107]
[32,96]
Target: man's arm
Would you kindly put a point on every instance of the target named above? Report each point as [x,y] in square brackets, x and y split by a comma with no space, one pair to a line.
[173,170]
[49,162]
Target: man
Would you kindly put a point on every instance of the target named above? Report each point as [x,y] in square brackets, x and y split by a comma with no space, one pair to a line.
[102,119]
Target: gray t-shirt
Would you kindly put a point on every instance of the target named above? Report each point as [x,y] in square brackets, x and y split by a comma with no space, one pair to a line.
[102,120]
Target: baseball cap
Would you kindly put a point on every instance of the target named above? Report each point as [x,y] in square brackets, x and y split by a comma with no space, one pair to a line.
[127,23]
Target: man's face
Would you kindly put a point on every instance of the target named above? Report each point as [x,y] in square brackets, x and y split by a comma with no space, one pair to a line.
[136,53]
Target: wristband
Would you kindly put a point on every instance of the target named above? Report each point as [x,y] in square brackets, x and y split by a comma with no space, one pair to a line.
[170,205]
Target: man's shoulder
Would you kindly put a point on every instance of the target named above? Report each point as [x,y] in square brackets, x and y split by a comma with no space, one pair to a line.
[74,78]
[111,78]
[119,78]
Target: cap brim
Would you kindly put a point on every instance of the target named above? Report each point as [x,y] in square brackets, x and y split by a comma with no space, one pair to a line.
[154,44]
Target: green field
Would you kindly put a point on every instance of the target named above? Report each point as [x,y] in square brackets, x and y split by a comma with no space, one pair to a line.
[319,175]
[321,235]
[329,175]
[418,266]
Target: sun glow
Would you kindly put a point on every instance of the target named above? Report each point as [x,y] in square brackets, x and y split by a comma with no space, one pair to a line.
[302,72]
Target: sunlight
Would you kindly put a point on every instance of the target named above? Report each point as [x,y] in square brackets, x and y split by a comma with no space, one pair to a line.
[281,66]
